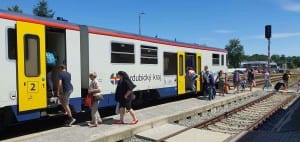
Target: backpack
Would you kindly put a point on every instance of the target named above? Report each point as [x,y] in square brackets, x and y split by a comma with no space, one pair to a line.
[279,85]
[236,77]
[211,80]
[50,59]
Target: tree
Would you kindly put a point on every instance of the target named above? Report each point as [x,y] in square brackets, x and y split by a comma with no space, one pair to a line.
[235,53]
[41,9]
[297,61]
[275,58]
[256,57]
[15,8]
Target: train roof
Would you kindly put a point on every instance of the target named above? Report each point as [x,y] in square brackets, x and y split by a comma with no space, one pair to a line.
[97,30]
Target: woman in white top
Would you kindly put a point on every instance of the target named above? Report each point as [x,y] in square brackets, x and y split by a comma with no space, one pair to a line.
[94,88]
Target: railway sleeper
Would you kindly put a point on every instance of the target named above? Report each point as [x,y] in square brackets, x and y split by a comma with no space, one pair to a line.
[238,120]
[249,113]
[234,126]
[244,123]
[254,111]
[260,108]
[216,129]
[251,110]
[249,118]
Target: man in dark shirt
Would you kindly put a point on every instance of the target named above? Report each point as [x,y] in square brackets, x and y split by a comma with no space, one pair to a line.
[64,90]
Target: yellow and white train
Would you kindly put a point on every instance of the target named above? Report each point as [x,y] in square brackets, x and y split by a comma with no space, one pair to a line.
[156,66]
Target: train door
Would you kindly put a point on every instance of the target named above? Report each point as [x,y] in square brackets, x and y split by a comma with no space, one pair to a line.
[181,72]
[31,66]
[198,71]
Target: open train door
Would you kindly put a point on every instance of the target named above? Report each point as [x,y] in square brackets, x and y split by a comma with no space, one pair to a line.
[180,72]
[198,71]
[31,66]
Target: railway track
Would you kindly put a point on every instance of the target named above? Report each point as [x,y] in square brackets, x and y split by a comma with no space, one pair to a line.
[244,118]
[248,118]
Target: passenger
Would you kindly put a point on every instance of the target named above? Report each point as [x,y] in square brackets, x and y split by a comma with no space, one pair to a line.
[243,84]
[64,90]
[221,82]
[204,80]
[50,82]
[236,81]
[285,78]
[94,88]
[50,85]
[124,95]
[211,86]
[192,77]
[251,79]
[267,81]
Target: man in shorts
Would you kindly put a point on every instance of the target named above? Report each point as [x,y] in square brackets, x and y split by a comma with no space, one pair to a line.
[64,90]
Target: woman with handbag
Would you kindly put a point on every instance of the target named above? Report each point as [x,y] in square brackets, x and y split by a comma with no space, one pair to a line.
[124,95]
[221,79]
[94,89]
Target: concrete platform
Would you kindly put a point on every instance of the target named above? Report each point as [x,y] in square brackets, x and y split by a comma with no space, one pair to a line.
[160,132]
[197,135]
[192,135]
[148,118]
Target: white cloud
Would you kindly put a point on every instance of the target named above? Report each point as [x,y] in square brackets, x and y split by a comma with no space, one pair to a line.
[285,35]
[223,31]
[277,35]
[290,5]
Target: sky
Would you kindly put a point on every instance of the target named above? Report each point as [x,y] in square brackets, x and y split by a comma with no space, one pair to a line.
[207,22]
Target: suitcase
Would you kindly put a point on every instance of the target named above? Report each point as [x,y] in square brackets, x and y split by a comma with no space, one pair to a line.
[278,85]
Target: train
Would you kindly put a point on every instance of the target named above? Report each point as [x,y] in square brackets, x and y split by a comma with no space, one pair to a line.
[157,66]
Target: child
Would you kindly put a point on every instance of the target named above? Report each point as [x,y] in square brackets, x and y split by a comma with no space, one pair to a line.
[244,84]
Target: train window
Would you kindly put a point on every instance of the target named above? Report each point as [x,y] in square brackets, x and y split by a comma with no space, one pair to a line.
[32,55]
[170,63]
[222,60]
[122,53]
[215,59]
[180,65]
[12,43]
[227,61]
[148,55]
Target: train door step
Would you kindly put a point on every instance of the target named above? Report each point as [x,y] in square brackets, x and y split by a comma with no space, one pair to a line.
[160,132]
[190,91]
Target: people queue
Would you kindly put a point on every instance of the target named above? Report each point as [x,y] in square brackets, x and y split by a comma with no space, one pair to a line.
[124,92]
[124,95]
